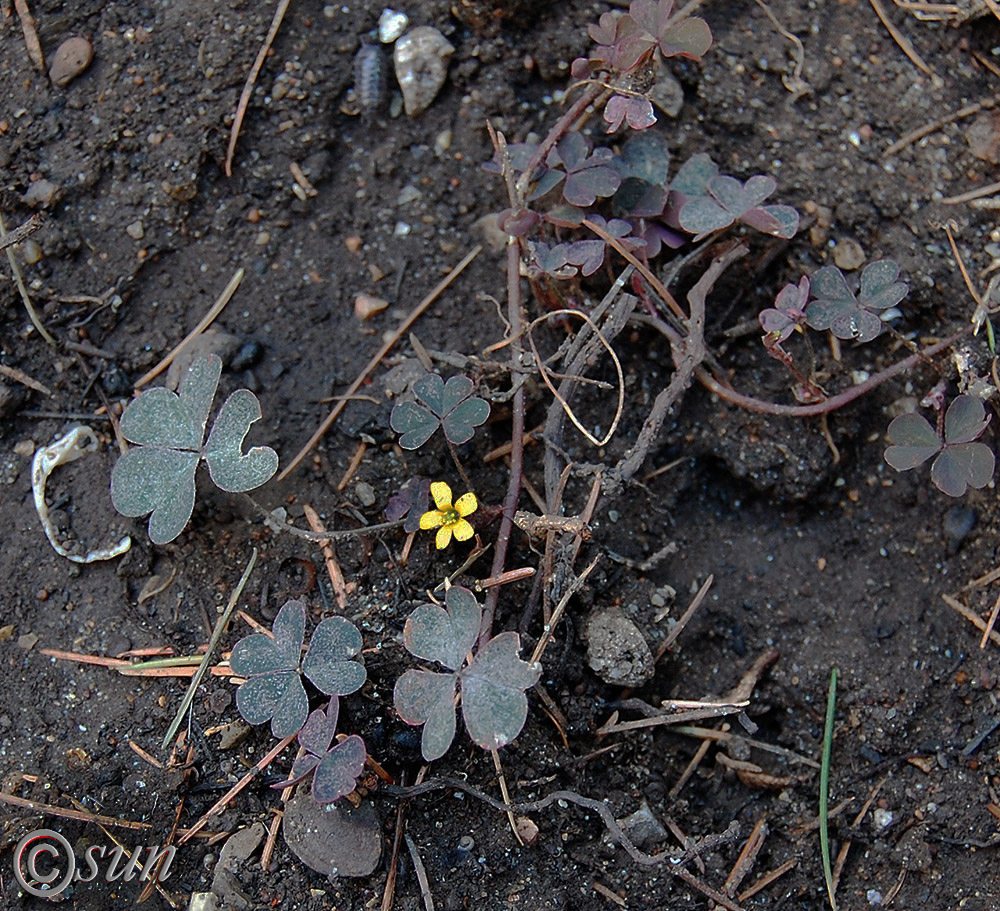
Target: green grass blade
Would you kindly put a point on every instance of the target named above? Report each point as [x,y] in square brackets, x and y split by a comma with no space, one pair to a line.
[824,787]
[207,659]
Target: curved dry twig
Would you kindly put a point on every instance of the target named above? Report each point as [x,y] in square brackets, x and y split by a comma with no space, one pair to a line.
[565,405]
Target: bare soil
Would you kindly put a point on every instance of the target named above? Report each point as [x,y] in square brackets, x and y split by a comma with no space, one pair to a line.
[830,563]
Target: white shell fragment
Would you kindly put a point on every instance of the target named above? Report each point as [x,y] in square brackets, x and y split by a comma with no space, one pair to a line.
[75,445]
[391,25]
[421,58]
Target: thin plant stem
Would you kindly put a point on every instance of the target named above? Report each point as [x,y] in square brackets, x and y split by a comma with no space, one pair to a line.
[824,788]
[559,129]
[827,405]
[19,281]
[207,659]
[458,463]
[516,440]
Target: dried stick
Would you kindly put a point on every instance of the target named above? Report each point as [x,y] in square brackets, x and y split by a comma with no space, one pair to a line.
[78,815]
[517,443]
[599,807]
[574,587]
[22,290]
[904,44]
[206,321]
[21,232]
[241,108]
[685,618]
[223,801]
[971,616]
[403,327]
[421,873]
[687,355]
[748,856]
[329,557]
[514,320]
[936,125]
[977,193]
[31,42]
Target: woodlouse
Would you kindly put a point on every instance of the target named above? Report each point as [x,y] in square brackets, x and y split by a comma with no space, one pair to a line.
[369,77]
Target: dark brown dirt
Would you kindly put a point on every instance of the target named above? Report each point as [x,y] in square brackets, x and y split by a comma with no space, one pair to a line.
[831,563]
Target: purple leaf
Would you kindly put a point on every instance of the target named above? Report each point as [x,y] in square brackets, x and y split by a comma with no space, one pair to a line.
[338,771]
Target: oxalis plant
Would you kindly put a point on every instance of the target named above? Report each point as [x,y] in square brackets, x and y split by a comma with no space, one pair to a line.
[167,429]
[491,682]
[273,691]
[959,461]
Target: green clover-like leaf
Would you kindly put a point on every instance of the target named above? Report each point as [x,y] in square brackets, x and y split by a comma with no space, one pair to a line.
[965,419]
[494,705]
[273,690]
[961,466]
[428,698]
[158,475]
[444,635]
[850,316]
[329,661]
[170,499]
[492,685]
[961,462]
[450,406]
[728,200]
[229,467]
[914,442]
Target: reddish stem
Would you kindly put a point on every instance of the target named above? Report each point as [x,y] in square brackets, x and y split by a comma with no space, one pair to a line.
[835,401]
[517,441]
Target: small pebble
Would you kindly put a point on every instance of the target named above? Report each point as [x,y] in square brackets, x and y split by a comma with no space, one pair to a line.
[848,254]
[136,230]
[32,252]
[881,818]
[71,58]
[365,493]
[263,238]
[983,136]
[408,194]
[115,381]
[367,305]
[421,60]
[391,24]
[40,192]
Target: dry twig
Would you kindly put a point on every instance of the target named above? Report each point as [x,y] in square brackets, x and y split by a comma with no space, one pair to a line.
[376,359]
[241,108]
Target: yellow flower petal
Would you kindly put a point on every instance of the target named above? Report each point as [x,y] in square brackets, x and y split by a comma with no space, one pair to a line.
[462,530]
[442,494]
[466,504]
[431,519]
[443,538]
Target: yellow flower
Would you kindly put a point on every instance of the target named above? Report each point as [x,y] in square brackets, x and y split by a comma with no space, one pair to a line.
[449,518]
